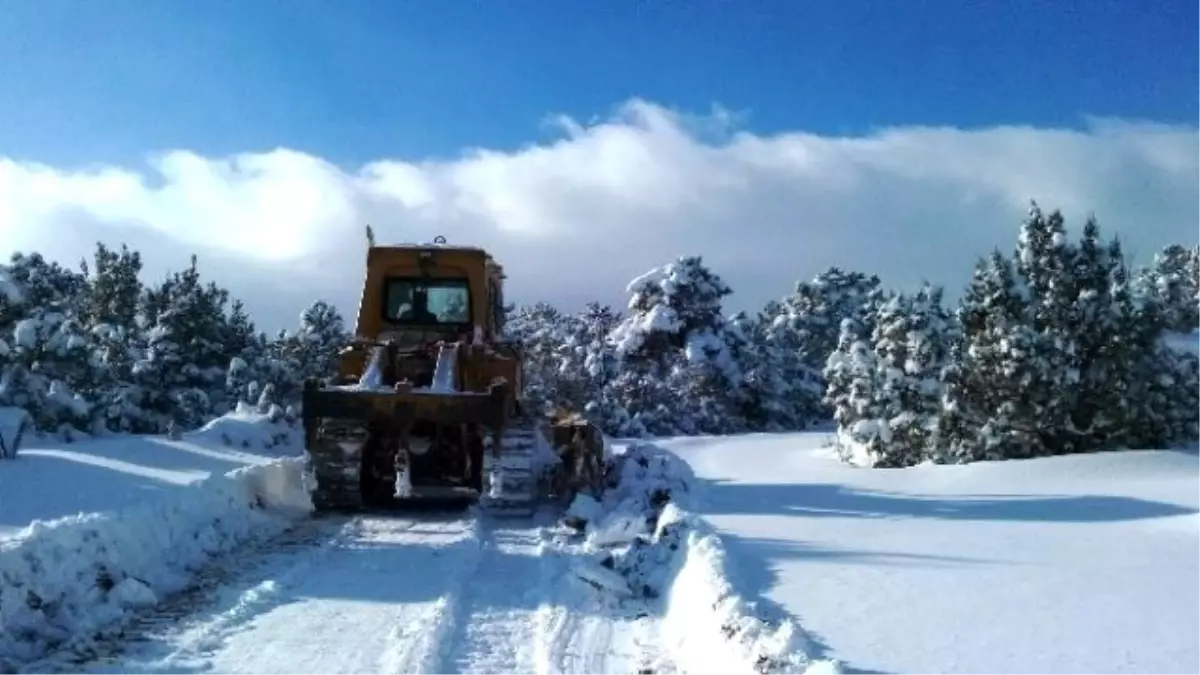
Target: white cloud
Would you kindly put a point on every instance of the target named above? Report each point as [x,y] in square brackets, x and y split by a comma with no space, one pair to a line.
[575,218]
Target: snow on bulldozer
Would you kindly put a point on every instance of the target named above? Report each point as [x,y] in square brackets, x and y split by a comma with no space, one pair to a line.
[427,403]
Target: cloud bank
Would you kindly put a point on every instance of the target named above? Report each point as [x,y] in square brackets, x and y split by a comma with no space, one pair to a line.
[573,219]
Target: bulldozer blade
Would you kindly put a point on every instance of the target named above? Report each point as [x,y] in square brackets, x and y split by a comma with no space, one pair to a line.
[345,429]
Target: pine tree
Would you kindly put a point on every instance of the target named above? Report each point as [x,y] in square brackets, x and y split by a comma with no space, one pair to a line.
[114,288]
[587,363]
[321,336]
[992,387]
[852,392]
[815,310]
[675,343]
[785,392]
[884,386]
[538,330]
[183,370]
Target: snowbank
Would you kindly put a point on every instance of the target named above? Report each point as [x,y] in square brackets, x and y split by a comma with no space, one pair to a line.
[64,580]
[668,554]
[248,429]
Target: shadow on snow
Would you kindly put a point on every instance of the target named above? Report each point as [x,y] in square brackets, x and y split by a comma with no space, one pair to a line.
[818,500]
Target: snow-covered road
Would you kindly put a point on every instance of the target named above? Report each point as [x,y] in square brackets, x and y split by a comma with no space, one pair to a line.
[194,568]
[382,594]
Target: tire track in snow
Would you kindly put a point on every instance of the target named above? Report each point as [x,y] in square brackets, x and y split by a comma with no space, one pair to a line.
[587,631]
[496,627]
[420,645]
[524,611]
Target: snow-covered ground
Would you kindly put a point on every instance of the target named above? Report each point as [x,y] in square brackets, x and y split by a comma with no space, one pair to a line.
[759,553]
[201,554]
[1085,563]
[56,479]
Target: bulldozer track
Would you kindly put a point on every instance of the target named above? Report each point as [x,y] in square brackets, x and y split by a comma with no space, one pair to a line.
[512,478]
[338,474]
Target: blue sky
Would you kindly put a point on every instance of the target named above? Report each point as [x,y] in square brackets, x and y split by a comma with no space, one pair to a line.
[158,122]
[352,81]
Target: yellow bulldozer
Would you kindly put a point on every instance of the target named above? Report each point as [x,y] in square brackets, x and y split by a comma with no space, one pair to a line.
[427,403]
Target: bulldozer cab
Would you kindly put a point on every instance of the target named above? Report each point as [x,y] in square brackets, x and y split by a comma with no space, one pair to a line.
[435,286]
[417,295]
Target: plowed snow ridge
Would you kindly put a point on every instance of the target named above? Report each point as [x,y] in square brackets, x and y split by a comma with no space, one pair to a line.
[433,593]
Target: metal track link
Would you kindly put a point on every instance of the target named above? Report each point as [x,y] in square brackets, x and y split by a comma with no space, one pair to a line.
[336,466]
[510,481]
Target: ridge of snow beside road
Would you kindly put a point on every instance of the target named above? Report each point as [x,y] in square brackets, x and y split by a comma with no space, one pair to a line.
[677,559]
[51,478]
[712,625]
[66,579]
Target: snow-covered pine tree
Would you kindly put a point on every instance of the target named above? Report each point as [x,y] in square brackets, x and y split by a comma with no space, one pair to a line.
[280,380]
[184,367]
[674,343]
[114,289]
[852,378]
[785,393]
[762,392]
[237,382]
[264,371]
[243,350]
[1163,395]
[12,300]
[992,386]
[1177,386]
[1104,349]
[1066,355]
[816,309]
[587,365]
[540,331]
[1171,280]
[240,333]
[321,336]
[1045,261]
[647,344]
[48,357]
[1099,350]
[118,398]
[47,286]
[12,392]
[111,319]
[910,345]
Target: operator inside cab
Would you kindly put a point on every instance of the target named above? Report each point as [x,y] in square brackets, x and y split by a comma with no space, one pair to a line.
[426,304]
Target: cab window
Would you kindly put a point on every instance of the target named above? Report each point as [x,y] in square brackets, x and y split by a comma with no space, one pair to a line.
[425,302]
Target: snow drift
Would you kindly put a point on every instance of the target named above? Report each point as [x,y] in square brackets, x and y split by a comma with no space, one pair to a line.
[64,580]
[249,428]
[645,535]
